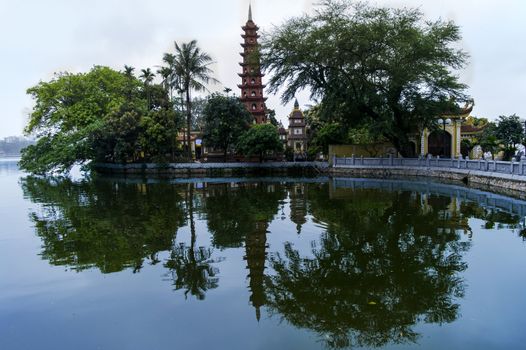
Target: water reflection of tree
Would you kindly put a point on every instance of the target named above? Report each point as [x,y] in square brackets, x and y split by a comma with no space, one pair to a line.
[492,217]
[191,268]
[241,213]
[103,224]
[234,210]
[385,263]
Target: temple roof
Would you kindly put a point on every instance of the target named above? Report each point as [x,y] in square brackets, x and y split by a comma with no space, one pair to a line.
[461,111]
[471,128]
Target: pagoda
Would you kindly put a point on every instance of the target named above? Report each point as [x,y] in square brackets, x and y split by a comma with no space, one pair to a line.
[251,78]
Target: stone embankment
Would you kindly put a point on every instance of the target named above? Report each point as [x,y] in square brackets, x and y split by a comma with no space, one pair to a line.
[497,175]
[213,169]
[490,174]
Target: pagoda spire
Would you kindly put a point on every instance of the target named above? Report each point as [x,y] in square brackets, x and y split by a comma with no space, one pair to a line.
[251,77]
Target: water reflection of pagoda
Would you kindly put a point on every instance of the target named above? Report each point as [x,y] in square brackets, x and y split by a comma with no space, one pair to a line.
[255,255]
[298,205]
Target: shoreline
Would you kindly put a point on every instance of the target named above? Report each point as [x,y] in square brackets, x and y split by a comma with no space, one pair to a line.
[508,184]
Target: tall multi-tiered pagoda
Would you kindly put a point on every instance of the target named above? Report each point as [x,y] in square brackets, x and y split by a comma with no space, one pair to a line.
[251,78]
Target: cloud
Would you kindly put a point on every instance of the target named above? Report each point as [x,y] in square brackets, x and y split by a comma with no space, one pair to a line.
[42,37]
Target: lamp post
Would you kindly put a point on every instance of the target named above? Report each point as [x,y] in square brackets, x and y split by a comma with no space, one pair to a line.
[444,122]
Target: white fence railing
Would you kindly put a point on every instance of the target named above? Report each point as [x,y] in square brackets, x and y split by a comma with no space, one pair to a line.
[512,167]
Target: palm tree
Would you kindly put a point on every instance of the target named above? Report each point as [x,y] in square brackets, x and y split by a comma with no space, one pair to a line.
[191,67]
[166,73]
[128,71]
[147,76]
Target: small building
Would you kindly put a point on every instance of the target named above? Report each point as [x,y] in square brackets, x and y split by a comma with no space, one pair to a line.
[297,133]
[445,141]
[282,132]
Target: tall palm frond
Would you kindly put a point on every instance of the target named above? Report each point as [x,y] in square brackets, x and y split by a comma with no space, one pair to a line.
[191,68]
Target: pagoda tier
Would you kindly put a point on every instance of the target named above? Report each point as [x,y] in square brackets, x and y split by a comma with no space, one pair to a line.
[252,99]
[248,75]
[251,87]
[251,78]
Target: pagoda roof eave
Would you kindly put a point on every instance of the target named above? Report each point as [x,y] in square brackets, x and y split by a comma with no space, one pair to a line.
[250,27]
[253,75]
[247,86]
[253,99]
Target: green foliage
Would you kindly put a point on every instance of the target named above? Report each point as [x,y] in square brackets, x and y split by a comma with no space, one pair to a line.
[387,66]
[259,140]
[102,224]
[488,141]
[330,134]
[191,71]
[469,144]
[225,119]
[102,116]
[376,273]
[509,132]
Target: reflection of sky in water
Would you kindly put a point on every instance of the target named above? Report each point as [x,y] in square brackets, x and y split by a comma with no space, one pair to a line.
[48,305]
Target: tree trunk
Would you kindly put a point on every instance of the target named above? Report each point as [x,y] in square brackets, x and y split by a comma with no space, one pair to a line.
[188,123]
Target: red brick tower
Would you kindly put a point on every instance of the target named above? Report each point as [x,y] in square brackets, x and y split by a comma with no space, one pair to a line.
[251,78]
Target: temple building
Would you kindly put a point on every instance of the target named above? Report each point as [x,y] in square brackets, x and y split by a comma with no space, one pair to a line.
[282,134]
[446,140]
[297,134]
[251,78]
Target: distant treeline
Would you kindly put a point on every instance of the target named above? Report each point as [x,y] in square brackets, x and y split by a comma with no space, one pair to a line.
[11,146]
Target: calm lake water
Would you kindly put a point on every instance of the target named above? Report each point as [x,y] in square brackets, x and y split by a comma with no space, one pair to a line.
[258,264]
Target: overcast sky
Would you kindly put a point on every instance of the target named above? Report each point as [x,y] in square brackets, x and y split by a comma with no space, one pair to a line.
[40,37]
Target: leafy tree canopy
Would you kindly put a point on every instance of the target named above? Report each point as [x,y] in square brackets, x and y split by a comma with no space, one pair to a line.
[390,66]
[100,115]
[225,119]
[259,140]
[510,132]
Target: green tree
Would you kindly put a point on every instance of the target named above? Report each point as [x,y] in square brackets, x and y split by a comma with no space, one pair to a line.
[259,140]
[469,145]
[225,119]
[509,132]
[159,126]
[192,68]
[330,134]
[147,77]
[71,111]
[488,141]
[389,66]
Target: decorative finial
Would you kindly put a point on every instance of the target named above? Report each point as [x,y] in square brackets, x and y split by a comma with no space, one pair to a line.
[296,104]
[250,12]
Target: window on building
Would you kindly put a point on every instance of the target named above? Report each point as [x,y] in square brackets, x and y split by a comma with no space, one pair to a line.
[253,81]
[298,145]
[297,121]
[254,107]
[253,93]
